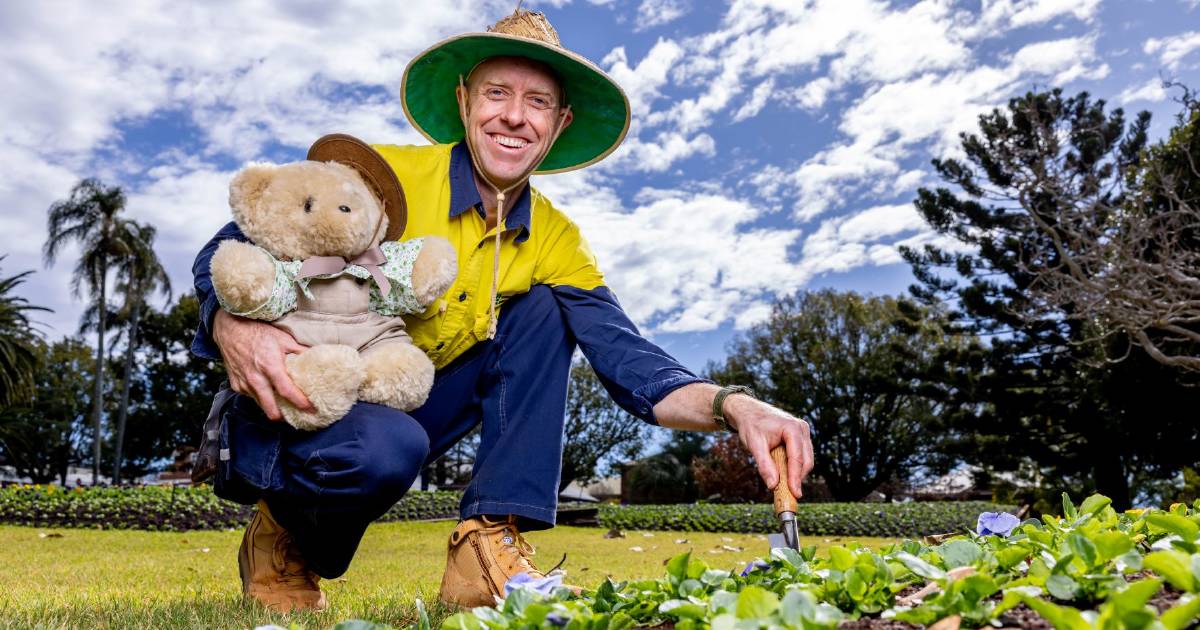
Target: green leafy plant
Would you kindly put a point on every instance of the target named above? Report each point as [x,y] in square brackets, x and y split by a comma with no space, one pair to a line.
[1092,568]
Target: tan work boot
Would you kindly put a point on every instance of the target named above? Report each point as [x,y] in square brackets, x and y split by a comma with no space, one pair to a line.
[482,555]
[273,572]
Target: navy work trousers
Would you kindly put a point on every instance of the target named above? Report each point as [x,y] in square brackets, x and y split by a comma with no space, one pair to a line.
[326,486]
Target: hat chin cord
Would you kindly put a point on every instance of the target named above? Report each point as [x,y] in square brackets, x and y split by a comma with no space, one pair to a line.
[463,109]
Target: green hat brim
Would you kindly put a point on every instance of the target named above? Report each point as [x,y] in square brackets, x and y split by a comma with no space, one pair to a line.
[599,106]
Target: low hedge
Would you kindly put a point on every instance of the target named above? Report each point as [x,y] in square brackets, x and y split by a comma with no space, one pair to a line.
[816,519]
[164,508]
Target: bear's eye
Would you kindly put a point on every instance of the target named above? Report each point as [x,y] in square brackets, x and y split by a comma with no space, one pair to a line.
[344,208]
[308,204]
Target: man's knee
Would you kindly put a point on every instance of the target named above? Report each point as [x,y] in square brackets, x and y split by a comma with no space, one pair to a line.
[395,451]
[384,457]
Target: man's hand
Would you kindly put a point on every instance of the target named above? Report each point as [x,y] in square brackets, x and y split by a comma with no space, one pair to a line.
[253,353]
[761,428]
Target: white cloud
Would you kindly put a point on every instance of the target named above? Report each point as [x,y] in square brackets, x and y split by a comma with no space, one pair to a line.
[642,83]
[679,260]
[1008,14]
[1065,60]
[1152,91]
[659,154]
[1172,50]
[762,92]
[811,96]
[653,13]
[892,120]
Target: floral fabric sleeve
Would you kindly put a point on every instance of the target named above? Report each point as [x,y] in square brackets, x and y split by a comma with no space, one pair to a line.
[283,293]
[401,300]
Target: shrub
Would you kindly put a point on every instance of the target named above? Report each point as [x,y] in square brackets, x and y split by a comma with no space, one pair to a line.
[165,508]
[821,519]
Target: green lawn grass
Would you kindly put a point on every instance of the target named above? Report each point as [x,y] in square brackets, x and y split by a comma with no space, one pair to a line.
[72,578]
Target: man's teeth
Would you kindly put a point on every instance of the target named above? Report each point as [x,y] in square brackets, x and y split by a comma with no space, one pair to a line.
[515,143]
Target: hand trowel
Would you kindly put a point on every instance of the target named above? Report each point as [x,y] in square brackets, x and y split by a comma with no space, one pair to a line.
[785,505]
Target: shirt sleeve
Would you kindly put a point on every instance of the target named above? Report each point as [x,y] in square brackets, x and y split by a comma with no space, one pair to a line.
[634,371]
[203,345]
[564,258]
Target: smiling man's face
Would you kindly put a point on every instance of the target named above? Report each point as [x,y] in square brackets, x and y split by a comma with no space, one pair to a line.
[515,104]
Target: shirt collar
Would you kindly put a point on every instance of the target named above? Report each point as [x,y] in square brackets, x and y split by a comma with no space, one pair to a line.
[464,195]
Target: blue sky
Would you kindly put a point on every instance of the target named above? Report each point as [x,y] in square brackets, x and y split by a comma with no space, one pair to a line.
[775,146]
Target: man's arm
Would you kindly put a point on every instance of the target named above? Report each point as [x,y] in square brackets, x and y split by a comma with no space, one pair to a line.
[761,427]
[648,383]
[253,351]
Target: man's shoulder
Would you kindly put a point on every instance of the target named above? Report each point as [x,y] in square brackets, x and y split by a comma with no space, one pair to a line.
[546,213]
[415,159]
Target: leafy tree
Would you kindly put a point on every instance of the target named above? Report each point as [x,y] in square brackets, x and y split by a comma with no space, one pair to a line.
[139,275]
[596,428]
[727,474]
[846,364]
[172,392]
[42,437]
[666,476]
[1041,390]
[18,358]
[1121,225]
[91,218]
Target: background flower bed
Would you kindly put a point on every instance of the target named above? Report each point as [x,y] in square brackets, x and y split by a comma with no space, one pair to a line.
[817,519]
[163,508]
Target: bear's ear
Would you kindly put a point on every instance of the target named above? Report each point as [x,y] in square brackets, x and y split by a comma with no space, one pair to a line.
[248,185]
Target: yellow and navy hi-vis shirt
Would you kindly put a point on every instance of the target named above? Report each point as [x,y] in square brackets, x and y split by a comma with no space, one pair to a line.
[540,245]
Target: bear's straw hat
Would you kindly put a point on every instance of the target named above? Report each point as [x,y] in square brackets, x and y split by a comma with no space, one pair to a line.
[599,105]
[348,150]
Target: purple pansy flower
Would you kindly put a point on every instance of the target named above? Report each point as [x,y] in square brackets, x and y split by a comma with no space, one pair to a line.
[543,586]
[1001,523]
[556,619]
[754,566]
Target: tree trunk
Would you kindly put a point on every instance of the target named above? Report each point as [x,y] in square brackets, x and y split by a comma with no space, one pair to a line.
[97,405]
[123,410]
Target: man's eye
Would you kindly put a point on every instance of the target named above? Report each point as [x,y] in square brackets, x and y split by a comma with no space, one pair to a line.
[495,93]
[539,101]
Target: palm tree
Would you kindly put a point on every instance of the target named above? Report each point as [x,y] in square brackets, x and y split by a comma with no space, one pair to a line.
[90,217]
[140,274]
[18,359]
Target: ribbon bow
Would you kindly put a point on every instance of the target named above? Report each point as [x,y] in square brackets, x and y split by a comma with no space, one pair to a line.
[329,265]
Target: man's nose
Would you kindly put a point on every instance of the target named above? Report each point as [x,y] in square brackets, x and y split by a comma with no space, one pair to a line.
[514,112]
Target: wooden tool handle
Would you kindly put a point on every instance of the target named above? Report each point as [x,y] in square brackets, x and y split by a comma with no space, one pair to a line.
[784,500]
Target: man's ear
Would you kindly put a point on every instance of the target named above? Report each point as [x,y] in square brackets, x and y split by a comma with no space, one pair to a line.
[247,186]
[567,118]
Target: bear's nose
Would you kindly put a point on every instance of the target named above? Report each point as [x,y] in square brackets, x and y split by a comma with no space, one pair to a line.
[344,208]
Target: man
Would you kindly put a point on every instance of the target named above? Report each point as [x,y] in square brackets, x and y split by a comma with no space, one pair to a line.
[499,106]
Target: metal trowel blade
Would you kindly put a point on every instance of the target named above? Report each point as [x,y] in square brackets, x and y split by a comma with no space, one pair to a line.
[776,540]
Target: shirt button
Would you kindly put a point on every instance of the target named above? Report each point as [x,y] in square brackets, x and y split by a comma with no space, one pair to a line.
[462,296]
[440,345]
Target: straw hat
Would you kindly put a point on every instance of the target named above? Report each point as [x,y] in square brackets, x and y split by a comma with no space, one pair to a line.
[378,174]
[599,105]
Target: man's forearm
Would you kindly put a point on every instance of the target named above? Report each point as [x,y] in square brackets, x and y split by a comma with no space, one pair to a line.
[688,408]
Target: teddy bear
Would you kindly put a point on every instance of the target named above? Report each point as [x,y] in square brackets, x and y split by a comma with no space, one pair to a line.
[324,263]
